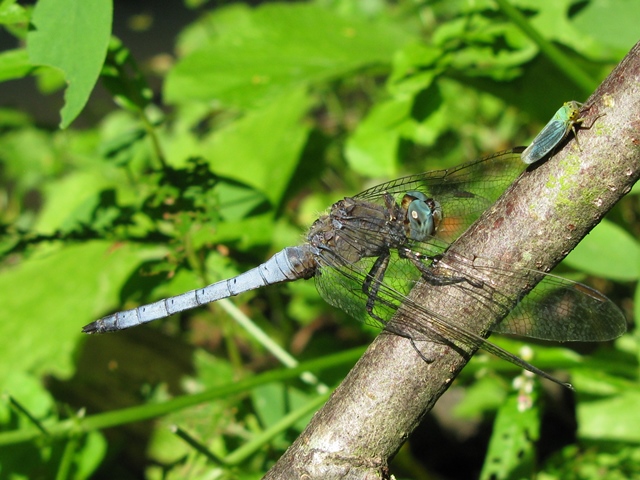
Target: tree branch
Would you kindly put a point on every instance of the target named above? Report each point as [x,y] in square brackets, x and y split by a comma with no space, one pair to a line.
[533,225]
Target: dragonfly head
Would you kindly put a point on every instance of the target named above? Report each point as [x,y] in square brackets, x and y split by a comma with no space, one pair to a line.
[422,215]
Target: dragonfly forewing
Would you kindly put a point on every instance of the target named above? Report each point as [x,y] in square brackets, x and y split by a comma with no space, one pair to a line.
[464,192]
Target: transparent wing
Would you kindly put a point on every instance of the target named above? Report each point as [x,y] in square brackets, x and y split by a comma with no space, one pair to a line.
[561,310]
[557,309]
[552,134]
[463,192]
[341,286]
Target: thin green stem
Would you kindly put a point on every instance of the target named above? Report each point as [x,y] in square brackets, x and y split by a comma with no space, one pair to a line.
[267,342]
[195,444]
[249,448]
[563,63]
[148,411]
[21,409]
[150,128]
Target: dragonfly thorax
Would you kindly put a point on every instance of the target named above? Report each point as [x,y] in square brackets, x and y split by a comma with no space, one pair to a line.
[355,229]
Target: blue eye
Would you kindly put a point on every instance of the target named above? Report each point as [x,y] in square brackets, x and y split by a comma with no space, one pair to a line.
[423,215]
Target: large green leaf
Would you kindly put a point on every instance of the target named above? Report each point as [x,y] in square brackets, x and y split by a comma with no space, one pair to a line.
[248,149]
[584,29]
[608,251]
[71,36]
[11,13]
[609,23]
[615,418]
[373,149]
[68,198]
[512,450]
[48,298]
[260,53]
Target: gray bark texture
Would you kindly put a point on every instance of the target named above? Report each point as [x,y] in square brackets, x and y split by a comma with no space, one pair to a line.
[534,225]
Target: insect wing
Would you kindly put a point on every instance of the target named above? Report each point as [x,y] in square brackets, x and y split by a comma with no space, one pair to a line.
[553,132]
[545,141]
[342,287]
[560,310]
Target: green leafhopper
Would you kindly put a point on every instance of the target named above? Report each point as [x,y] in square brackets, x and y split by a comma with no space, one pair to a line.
[554,132]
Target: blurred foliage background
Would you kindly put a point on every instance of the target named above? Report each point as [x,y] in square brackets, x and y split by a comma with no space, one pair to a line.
[216,143]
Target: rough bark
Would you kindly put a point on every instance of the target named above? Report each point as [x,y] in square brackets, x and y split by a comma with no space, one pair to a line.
[534,225]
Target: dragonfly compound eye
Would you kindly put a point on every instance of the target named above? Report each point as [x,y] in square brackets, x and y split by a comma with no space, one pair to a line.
[423,215]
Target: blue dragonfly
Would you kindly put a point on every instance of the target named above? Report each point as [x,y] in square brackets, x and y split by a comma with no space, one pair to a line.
[368,251]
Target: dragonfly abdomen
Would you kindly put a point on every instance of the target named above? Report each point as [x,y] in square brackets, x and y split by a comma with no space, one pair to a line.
[290,264]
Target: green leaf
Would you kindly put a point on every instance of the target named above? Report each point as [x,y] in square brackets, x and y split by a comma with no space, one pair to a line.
[92,451]
[273,401]
[124,80]
[609,23]
[11,13]
[511,453]
[636,303]
[612,461]
[47,299]
[31,405]
[553,20]
[14,64]
[28,157]
[614,419]
[414,69]
[608,251]
[270,403]
[485,394]
[29,392]
[267,137]
[373,149]
[70,200]
[261,53]
[237,201]
[73,37]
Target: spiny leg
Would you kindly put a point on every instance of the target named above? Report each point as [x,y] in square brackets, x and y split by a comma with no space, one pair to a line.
[579,123]
[427,273]
[372,283]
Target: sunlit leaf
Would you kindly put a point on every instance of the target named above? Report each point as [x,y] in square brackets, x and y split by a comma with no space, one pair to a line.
[608,251]
[276,47]
[73,37]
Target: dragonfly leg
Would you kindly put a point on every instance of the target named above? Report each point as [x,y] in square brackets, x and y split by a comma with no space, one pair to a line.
[431,277]
[376,273]
[474,282]
[415,347]
[372,283]
[432,337]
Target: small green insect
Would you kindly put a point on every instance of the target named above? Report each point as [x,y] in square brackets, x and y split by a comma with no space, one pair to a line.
[554,132]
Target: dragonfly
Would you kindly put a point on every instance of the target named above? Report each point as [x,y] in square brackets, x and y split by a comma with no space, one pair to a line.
[368,251]
[563,122]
